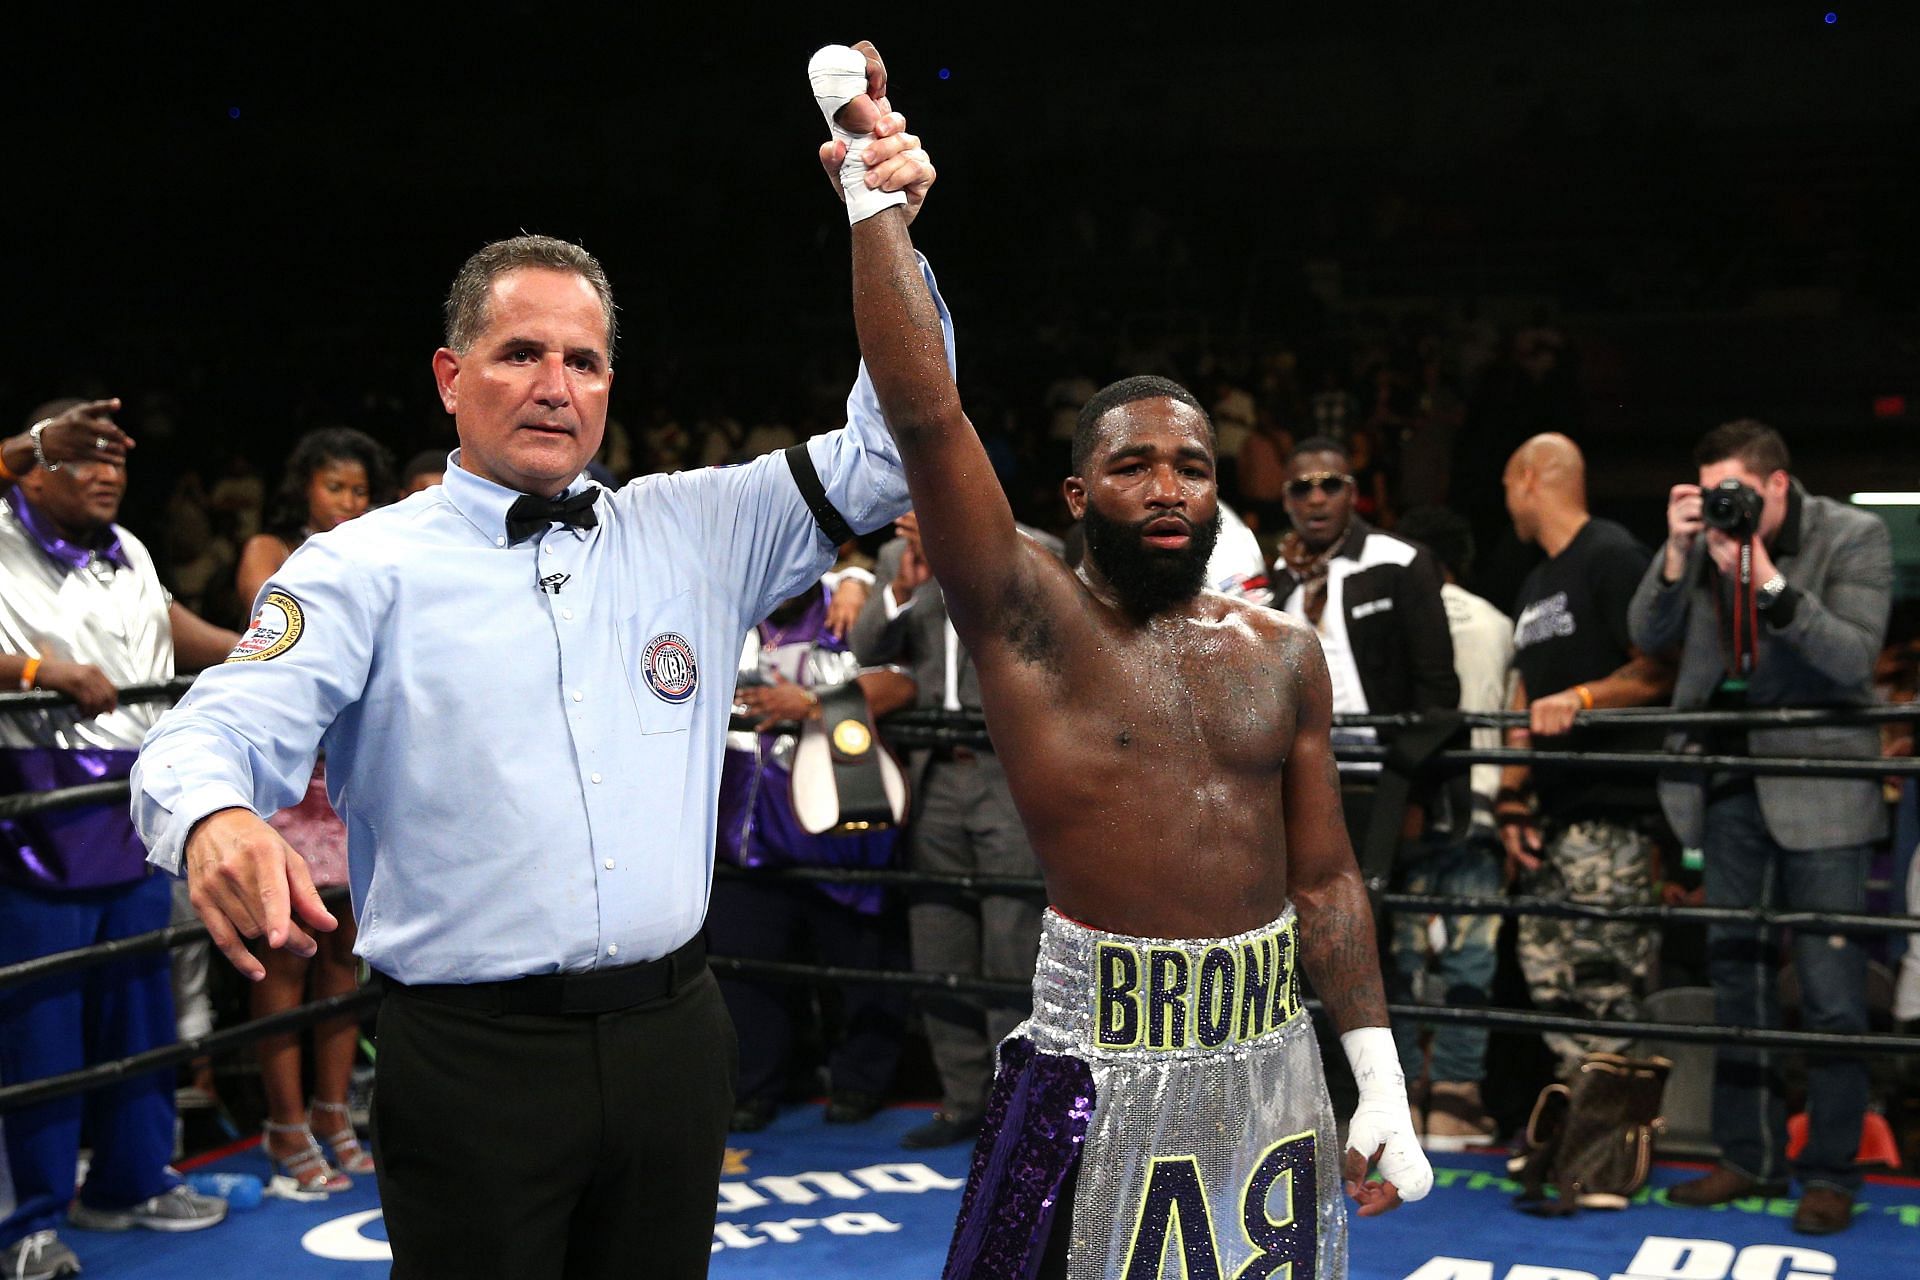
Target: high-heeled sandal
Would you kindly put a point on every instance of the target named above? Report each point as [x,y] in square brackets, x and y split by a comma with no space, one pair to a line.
[348,1154]
[304,1175]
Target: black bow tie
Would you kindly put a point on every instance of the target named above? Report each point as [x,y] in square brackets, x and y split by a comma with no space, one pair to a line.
[530,515]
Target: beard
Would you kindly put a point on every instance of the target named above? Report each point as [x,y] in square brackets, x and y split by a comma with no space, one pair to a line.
[1149,579]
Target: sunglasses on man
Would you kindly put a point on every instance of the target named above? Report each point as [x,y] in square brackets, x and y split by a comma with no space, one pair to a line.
[1327,482]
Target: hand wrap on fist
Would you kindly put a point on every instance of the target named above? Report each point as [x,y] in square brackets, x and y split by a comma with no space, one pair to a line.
[1383,1122]
[839,75]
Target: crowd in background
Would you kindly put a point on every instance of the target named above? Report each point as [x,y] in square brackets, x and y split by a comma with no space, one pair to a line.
[1421,423]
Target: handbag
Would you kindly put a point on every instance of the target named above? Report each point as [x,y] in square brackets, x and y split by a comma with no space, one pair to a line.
[1592,1139]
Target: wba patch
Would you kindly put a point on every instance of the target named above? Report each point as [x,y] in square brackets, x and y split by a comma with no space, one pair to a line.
[669,667]
[275,629]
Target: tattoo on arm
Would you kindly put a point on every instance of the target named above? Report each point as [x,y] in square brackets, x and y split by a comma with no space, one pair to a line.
[1342,959]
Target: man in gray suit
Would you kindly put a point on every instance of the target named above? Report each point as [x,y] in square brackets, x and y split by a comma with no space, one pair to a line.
[1822,576]
[963,821]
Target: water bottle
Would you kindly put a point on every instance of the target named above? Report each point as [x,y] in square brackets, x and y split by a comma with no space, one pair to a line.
[240,1190]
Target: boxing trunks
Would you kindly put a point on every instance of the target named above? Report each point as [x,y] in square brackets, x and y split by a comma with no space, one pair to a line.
[1170,1092]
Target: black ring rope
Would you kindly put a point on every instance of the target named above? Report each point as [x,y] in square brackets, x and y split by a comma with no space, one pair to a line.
[1431,904]
[1459,1015]
[85,1079]
[48,699]
[28,1092]
[940,728]
[180,935]
[25,803]
[166,938]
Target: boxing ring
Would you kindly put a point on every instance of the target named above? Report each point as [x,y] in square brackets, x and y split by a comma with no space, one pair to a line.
[802,1197]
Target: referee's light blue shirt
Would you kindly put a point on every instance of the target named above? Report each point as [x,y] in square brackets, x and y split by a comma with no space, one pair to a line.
[524,741]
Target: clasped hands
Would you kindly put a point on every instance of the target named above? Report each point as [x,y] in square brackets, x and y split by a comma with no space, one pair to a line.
[895,159]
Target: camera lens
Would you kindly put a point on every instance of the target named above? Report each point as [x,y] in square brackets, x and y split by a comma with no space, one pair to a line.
[1731,507]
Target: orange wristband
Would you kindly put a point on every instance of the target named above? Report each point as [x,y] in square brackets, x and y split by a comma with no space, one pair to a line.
[7,472]
[30,672]
[1585,695]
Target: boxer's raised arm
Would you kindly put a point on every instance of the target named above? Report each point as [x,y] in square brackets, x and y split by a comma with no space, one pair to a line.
[966,522]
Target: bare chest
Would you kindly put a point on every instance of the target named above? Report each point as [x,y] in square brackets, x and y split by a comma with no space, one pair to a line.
[1206,696]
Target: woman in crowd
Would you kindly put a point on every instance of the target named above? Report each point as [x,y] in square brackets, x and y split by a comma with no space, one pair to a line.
[331,477]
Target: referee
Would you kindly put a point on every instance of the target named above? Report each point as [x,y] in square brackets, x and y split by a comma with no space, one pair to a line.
[522,684]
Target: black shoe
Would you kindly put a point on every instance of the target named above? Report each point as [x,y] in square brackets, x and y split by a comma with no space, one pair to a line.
[753,1115]
[943,1130]
[852,1106]
[1822,1211]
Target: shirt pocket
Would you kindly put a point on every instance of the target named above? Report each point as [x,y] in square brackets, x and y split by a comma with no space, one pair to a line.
[664,668]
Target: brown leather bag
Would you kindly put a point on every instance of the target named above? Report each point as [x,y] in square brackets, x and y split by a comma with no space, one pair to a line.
[1592,1141]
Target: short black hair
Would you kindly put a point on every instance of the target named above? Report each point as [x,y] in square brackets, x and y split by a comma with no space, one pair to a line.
[1319,444]
[428,462]
[1756,444]
[313,451]
[1445,533]
[1144,386]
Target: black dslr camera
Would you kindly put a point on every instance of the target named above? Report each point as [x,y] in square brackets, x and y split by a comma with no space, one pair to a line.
[1732,508]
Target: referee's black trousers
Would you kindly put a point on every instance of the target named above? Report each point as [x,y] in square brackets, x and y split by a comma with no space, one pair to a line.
[563,1147]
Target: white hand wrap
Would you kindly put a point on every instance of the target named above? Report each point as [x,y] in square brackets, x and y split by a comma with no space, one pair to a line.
[1383,1118]
[839,75]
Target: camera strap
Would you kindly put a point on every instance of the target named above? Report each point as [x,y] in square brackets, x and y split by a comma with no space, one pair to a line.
[1746,615]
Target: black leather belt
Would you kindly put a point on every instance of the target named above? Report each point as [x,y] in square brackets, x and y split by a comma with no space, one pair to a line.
[594,991]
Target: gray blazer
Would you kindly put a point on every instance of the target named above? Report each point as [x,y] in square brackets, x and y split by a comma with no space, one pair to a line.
[917,639]
[1840,561]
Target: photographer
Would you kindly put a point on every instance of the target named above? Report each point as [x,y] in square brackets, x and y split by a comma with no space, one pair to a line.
[1776,599]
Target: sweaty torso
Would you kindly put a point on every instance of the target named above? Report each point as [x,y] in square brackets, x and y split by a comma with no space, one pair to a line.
[1146,757]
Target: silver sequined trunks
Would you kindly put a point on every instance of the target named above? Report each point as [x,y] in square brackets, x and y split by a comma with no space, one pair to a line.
[1185,1076]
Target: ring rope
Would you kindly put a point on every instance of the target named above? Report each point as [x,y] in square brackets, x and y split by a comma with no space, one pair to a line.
[166,938]
[1446,905]
[914,728]
[1461,1015]
[86,1079]
[28,1092]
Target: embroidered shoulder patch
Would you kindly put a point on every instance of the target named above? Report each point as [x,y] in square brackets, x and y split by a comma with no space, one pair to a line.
[276,629]
[669,667]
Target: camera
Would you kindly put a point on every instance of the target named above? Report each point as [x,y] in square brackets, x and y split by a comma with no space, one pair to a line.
[1731,507]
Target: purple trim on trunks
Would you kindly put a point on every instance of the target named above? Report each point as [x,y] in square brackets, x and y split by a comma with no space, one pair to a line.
[1030,1139]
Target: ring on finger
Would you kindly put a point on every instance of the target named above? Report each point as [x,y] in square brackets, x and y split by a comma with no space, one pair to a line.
[99,442]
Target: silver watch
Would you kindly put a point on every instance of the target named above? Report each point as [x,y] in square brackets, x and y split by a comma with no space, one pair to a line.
[39,450]
[1769,591]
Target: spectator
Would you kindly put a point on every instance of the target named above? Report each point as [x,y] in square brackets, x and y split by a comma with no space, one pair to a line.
[1801,844]
[1333,409]
[1237,566]
[1460,857]
[330,478]
[964,822]
[240,496]
[1262,471]
[788,658]
[1233,418]
[1373,598]
[423,471]
[82,612]
[1427,438]
[1572,833]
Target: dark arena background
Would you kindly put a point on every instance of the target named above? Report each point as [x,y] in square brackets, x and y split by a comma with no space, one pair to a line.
[1432,231]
